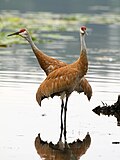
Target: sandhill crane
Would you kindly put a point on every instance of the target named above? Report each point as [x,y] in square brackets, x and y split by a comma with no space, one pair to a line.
[63,81]
[49,64]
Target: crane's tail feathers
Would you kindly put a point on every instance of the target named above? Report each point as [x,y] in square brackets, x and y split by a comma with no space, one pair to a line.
[89,98]
[86,88]
[39,103]
[40,96]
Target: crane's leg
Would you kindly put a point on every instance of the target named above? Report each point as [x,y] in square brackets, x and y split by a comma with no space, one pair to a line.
[65,112]
[62,106]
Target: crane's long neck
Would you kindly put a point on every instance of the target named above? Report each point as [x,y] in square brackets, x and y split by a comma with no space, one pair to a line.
[82,39]
[38,53]
[33,46]
[83,61]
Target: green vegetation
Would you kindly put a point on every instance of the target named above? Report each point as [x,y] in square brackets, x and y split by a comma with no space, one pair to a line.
[48,23]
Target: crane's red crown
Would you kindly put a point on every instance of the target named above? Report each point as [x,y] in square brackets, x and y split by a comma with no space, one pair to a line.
[83,28]
[22,30]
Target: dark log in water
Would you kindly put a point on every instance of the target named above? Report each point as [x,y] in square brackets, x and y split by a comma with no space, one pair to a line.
[110,110]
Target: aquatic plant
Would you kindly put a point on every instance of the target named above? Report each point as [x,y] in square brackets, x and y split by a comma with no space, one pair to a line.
[47,22]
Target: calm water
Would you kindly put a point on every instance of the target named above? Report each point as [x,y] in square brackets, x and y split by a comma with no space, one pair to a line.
[21,119]
[63,6]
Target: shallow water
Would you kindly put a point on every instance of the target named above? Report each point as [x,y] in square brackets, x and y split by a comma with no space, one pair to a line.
[21,119]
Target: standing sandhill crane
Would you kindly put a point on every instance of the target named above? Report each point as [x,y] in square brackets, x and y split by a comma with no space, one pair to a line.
[63,81]
[49,64]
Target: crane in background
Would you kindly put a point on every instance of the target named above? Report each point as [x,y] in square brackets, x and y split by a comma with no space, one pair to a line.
[47,63]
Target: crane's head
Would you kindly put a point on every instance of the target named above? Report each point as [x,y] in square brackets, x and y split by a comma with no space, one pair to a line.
[83,30]
[22,32]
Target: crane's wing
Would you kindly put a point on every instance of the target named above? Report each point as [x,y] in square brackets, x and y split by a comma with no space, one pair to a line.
[84,86]
[61,80]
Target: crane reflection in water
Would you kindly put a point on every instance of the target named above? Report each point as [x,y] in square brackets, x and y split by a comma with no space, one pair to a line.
[60,151]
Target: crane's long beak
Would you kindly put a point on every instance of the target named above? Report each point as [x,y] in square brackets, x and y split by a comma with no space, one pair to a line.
[16,33]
